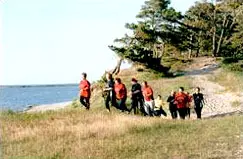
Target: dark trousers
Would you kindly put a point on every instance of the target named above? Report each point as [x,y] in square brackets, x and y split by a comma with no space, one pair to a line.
[173,113]
[121,104]
[134,105]
[85,101]
[110,99]
[182,112]
[188,112]
[160,112]
[198,111]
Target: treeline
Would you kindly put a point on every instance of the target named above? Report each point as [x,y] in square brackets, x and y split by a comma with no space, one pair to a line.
[212,28]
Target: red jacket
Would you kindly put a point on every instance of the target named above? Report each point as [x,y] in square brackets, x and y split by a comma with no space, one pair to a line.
[121,91]
[147,93]
[189,101]
[181,100]
[85,88]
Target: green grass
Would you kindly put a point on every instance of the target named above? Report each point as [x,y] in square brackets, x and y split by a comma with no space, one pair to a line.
[77,134]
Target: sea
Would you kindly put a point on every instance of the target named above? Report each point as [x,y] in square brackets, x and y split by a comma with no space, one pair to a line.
[19,98]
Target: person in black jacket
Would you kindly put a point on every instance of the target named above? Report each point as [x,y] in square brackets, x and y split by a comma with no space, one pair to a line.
[172,105]
[136,96]
[199,102]
[109,92]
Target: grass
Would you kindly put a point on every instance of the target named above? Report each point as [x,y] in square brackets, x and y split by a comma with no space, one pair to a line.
[236,104]
[232,81]
[75,133]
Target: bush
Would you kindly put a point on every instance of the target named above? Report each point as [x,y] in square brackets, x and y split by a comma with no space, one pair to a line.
[140,69]
[237,67]
[229,60]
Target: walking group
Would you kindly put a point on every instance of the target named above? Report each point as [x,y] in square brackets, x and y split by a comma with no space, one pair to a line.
[142,98]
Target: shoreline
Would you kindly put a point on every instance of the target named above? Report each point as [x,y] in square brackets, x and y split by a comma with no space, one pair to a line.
[47,107]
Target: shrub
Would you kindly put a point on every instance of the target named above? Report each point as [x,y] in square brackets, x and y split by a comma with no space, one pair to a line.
[236,67]
[140,69]
[229,60]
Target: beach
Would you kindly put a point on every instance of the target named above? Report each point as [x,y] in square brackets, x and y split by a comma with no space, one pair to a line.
[48,107]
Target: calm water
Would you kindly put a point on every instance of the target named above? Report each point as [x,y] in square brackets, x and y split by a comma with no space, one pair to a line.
[19,97]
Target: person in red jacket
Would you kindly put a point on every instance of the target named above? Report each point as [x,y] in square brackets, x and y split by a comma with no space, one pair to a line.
[181,100]
[148,99]
[121,94]
[188,108]
[85,92]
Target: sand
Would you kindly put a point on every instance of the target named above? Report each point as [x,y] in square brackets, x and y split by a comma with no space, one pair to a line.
[47,107]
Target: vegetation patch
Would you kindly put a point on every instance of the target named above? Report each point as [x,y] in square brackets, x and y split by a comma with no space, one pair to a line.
[81,134]
[232,81]
[236,104]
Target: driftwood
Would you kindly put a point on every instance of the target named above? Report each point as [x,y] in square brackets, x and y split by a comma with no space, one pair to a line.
[117,69]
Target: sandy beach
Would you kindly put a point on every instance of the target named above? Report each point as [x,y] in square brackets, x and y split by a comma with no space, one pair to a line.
[46,107]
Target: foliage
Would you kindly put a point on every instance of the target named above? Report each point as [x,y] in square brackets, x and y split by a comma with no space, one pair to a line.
[236,67]
[212,28]
[155,27]
[229,60]
[216,25]
[233,64]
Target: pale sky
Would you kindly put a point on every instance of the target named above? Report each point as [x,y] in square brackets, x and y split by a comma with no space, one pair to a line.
[54,41]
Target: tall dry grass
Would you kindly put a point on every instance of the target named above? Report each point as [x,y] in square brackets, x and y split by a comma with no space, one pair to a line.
[77,133]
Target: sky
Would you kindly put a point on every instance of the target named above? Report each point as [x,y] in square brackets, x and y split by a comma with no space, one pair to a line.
[54,41]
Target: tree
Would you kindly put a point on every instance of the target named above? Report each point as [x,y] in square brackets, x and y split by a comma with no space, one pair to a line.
[214,27]
[237,37]
[215,22]
[157,24]
[198,36]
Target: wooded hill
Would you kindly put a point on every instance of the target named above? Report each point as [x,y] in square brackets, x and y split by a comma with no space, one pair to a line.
[212,28]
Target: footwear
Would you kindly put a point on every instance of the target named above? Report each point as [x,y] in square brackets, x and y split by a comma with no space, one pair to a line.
[87,107]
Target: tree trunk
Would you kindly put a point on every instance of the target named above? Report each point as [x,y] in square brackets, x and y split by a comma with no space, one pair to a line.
[221,35]
[199,44]
[155,51]
[163,50]
[214,31]
[190,50]
[118,67]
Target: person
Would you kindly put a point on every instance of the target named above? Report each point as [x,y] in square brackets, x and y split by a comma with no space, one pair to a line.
[109,93]
[148,99]
[85,92]
[188,108]
[136,97]
[158,107]
[181,100]
[172,105]
[121,95]
[198,102]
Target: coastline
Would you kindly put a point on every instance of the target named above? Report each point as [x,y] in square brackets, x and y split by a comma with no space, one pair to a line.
[47,107]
